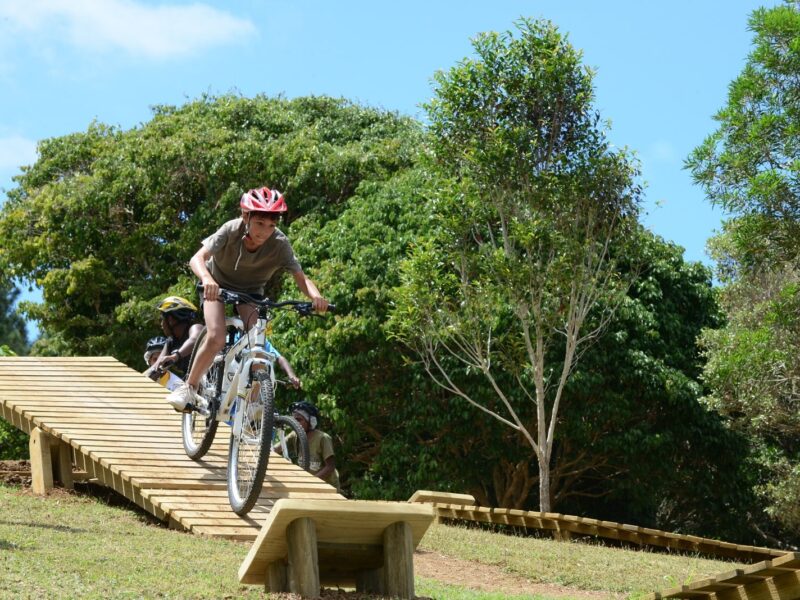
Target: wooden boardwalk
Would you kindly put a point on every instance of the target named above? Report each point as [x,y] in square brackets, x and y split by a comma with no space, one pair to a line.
[564,525]
[122,432]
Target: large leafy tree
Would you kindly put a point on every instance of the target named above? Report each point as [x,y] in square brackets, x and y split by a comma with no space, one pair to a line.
[106,220]
[536,196]
[750,166]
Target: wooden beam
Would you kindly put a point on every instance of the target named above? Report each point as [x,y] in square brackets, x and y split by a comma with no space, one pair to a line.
[41,462]
[301,541]
[398,560]
[61,454]
[277,581]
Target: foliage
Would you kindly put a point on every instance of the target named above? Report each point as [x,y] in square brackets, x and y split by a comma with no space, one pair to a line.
[13,335]
[753,372]
[13,442]
[535,197]
[634,436]
[367,392]
[106,220]
[750,166]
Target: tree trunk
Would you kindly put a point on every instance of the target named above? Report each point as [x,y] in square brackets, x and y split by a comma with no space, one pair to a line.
[544,485]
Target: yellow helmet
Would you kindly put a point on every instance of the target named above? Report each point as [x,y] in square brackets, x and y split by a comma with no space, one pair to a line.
[178,307]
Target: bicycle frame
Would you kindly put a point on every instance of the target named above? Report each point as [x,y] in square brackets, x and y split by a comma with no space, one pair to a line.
[244,358]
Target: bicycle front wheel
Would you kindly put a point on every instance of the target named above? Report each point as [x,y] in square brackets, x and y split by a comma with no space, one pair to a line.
[291,442]
[199,428]
[250,439]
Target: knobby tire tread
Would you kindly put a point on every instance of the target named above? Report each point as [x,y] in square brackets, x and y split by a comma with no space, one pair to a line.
[199,451]
[242,505]
[303,453]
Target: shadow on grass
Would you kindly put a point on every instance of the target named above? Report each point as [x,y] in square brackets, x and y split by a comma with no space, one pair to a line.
[62,528]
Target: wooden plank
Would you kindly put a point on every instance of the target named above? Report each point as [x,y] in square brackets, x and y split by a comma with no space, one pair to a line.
[443,498]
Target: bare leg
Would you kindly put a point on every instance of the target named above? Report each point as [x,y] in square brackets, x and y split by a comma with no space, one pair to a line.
[248,313]
[214,313]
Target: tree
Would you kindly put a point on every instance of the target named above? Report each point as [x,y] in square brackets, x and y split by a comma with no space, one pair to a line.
[750,166]
[106,220]
[12,326]
[536,196]
[13,442]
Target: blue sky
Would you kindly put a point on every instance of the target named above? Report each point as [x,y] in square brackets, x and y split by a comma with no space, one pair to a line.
[662,68]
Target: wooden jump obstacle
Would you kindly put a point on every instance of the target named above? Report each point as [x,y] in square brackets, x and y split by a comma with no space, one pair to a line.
[463,507]
[114,423]
[776,579]
[366,545]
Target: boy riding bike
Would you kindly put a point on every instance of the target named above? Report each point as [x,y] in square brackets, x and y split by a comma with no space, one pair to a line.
[241,256]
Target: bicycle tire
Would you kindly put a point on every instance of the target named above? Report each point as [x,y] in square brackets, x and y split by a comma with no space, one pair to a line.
[299,455]
[248,455]
[198,431]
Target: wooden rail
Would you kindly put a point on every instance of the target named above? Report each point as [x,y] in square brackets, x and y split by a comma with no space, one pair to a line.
[114,423]
[565,525]
[776,579]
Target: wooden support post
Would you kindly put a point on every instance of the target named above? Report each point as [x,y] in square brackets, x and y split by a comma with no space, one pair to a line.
[276,581]
[41,463]
[61,457]
[398,560]
[370,581]
[301,539]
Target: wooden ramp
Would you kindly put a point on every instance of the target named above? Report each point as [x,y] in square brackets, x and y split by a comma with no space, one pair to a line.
[115,424]
[776,579]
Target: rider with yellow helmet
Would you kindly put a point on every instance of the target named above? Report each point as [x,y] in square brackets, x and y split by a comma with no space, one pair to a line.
[179,323]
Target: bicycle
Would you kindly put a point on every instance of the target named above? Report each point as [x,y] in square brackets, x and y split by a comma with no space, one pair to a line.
[239,388]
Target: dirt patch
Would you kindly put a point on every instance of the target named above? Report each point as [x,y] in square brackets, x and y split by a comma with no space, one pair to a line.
[15,472]
[487,578]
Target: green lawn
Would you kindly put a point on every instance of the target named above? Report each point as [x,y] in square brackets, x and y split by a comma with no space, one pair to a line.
[75,545]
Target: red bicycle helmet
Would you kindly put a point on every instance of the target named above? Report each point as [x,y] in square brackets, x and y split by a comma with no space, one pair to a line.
[263,200]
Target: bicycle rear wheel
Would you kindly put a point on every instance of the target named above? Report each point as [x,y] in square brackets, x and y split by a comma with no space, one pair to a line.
[294,449]
[250,439]
[198,429]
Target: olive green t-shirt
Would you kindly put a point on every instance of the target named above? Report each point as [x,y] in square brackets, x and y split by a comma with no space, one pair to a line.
[234,267]
[320,448]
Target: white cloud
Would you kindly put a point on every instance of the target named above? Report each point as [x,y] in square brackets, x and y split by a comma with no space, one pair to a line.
[154,32]
[16,151]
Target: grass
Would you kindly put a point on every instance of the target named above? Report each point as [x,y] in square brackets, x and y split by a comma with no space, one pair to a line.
[74,545]
[577,564]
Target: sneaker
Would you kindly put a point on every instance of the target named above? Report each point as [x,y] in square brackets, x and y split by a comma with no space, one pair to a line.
[184,398]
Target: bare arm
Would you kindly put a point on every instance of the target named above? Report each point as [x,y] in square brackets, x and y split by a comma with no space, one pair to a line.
[198,266]
[287,368]
[328,468]
[309,288]
[187,346]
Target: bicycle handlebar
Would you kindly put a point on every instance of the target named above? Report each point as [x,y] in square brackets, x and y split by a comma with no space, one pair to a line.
[303,308]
